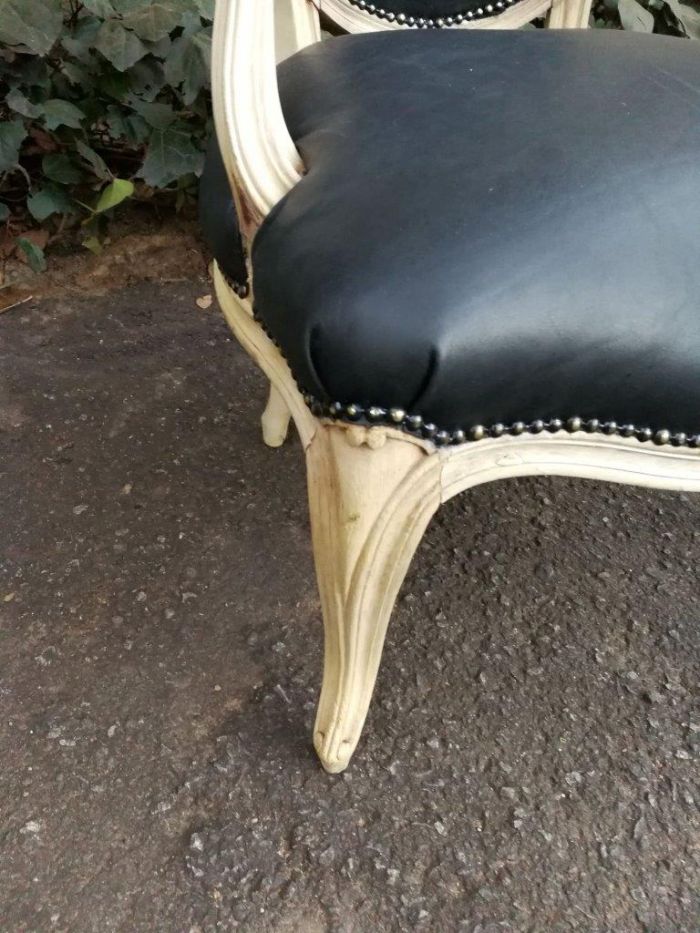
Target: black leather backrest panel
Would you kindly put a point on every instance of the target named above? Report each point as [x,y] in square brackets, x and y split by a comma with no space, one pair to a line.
[432,12]
[423,7]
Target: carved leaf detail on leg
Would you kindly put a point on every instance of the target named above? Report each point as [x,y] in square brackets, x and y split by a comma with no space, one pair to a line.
[369,508]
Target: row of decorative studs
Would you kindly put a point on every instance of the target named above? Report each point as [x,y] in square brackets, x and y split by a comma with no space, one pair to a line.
[426,22]
[239,288]
[414,424]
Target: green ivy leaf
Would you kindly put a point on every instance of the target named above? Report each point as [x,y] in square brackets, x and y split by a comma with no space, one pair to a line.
[16,101]
[102,8]
[61,113]
[116,192]
[171,154]
[191,22]
[34,74]
[687,15]
[116,84]
[206,8]
[95,161]
[12,135]
[57,166]
[129,126]
[80,42]
[105,77]
[74,73]
[635,17]
[154,21]
[161,48]
[93,244]
[47,201]
[28,71]
[35,254]
[147,78]
[127,6]
[159,115]
[119,46]
[36,25]
[189,63]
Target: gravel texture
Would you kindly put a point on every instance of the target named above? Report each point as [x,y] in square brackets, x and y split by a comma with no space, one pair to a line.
[530,762]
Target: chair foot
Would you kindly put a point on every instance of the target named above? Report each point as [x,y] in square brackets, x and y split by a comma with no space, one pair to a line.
[371,496]
[275,419]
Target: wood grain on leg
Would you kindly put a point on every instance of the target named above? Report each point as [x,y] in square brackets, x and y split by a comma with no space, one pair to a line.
[371,495]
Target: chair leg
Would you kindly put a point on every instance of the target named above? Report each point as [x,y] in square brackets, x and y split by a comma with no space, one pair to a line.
[275,419]
[371,496]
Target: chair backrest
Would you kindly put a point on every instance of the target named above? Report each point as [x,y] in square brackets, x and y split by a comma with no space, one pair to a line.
[366,15]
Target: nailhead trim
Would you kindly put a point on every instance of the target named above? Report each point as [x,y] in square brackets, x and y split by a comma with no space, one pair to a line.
[240,288]
[416,426]
[426,22]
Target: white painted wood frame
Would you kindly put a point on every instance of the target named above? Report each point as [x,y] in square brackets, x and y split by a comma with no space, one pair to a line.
[372,490]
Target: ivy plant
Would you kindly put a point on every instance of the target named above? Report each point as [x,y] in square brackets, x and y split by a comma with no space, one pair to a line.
[103,101]
[668,17]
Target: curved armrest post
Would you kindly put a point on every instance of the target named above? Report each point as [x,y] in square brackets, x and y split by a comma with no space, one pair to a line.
[569,14]
[297,25]
[259,154]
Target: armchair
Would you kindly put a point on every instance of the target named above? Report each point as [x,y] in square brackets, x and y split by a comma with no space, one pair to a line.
[469,255]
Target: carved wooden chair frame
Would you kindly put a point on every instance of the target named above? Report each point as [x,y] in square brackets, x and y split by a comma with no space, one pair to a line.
[373,489]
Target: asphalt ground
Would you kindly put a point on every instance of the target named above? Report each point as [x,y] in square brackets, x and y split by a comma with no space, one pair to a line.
[530,762]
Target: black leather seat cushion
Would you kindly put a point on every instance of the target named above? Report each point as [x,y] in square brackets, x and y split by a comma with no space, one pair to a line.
[495,227]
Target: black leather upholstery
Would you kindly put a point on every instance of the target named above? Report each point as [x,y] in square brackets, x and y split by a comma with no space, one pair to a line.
[495,227]
[217,216]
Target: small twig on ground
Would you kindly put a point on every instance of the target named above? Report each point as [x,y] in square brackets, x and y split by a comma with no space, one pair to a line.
[14,304]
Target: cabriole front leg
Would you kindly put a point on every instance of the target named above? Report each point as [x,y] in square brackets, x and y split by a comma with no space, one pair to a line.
[371,495]
[275,419]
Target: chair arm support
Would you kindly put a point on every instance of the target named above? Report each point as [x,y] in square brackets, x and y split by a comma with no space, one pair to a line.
[259,154]
[569,14]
